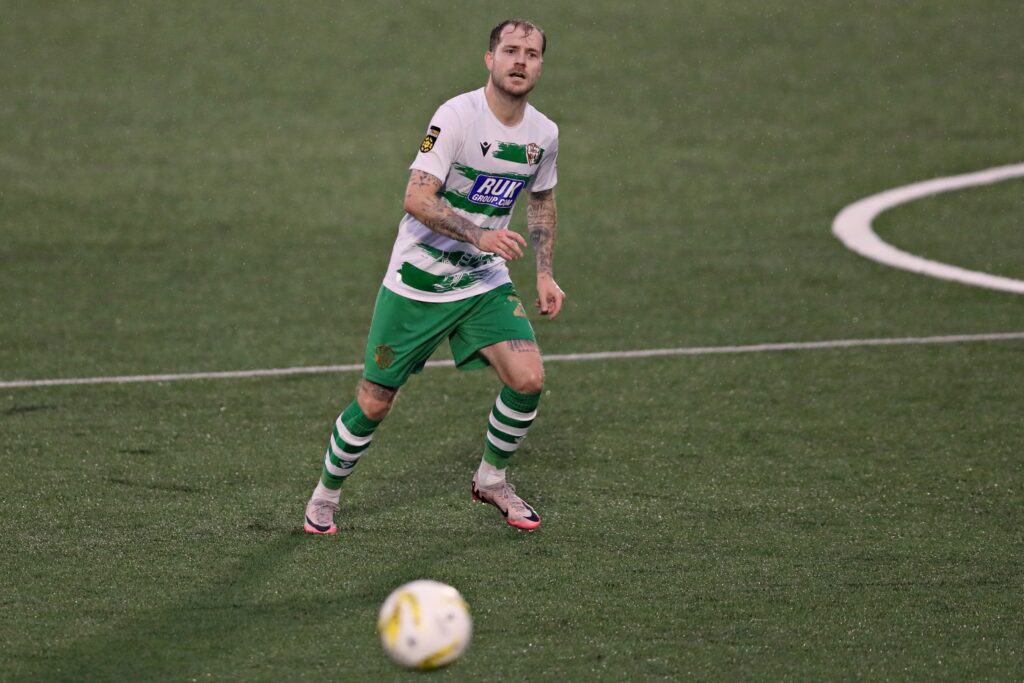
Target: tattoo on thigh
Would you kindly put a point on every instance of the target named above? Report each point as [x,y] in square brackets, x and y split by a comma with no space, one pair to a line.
[522,345]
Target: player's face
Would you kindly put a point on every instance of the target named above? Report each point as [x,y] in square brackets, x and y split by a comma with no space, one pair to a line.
[516,62]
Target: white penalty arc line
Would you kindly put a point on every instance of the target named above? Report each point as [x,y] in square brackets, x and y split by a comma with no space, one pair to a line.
[559,357]
[853,227]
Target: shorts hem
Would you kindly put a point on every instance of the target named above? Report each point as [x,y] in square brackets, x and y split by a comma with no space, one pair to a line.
[389,383]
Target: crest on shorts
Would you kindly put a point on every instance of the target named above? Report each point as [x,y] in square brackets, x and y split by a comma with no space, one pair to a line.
[383,356]
[532,153]
[430,139]
[519,311]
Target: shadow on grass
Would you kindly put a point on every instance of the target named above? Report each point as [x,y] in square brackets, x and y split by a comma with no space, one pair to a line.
[171,641]
[227,628]
[225,622]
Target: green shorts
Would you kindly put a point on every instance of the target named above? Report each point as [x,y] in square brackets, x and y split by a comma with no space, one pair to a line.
[404,332]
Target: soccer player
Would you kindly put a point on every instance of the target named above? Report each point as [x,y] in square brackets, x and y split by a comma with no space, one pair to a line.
[447,278]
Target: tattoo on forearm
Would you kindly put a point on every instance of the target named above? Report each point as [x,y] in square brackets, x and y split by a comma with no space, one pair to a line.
[522,345]
[451,224]
[437,215]
[541,220]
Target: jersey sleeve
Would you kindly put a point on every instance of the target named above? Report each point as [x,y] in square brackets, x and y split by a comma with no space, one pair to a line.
[441,143]
[547,171]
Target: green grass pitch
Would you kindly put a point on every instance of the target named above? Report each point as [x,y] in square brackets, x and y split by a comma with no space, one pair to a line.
[201,186]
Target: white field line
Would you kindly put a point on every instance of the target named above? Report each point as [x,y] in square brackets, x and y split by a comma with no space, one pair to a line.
[853,227]
[600,355]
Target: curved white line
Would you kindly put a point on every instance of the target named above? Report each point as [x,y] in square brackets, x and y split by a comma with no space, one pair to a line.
[853,227]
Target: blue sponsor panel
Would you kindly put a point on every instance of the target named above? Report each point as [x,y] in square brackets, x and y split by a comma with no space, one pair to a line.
[496,191]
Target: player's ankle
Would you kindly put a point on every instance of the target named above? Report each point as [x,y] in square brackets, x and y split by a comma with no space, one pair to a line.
[487,475]
[321,492]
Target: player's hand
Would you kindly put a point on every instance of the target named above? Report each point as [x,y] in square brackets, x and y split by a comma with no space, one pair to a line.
[549,296]
[505,243]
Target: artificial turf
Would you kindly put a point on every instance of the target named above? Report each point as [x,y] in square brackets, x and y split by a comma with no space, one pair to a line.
[204,187]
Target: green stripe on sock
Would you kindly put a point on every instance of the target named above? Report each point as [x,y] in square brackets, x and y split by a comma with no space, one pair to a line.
[504,436]
[506,420]
[359,425]
[496,457]
[343,464]
[346,446]
[523,403]
[330,481]
[356,422]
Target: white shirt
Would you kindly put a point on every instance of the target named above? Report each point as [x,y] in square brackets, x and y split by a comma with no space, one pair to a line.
[483,166]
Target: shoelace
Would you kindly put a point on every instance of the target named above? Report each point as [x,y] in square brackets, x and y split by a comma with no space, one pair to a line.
[515,502]
[319,514]
[507,492]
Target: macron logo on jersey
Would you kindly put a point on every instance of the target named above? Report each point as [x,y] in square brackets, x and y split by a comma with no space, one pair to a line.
[495,191]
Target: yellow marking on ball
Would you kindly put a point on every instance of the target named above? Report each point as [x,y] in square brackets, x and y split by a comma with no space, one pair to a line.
[393,625]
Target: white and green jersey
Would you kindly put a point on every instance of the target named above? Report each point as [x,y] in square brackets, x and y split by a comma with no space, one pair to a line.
[483,166]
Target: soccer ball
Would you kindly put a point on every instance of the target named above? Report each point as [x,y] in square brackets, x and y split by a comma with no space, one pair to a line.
[424,625]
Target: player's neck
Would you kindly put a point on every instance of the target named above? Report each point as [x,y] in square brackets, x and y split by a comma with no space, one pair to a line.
[508,109]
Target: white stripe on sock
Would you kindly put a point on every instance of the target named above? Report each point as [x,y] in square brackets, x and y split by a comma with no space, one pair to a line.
[514,414]
[336,449]
[336,471]
[513,431]
[503,445]
[349,437]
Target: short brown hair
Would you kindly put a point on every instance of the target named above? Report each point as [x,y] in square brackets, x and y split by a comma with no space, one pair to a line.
[528,28]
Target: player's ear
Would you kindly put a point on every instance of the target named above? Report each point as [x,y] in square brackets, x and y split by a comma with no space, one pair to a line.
[488,59]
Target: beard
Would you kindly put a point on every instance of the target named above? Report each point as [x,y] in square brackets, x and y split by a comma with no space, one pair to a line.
[509,88]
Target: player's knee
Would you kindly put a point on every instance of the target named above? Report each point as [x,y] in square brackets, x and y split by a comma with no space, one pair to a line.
[374,409]
[375,400]
[531,382]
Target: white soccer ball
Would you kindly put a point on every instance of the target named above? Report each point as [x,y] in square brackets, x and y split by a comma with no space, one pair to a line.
[424,625]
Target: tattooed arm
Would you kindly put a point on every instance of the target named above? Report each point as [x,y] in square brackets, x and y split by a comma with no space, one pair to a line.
[424,203]
[541,220]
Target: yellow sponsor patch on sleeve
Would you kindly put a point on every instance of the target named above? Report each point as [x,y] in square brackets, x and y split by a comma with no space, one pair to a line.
[430,139]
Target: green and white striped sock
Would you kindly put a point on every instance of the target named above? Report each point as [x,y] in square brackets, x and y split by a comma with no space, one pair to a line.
[510,419]
[352,434]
